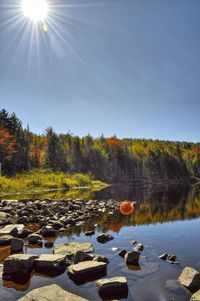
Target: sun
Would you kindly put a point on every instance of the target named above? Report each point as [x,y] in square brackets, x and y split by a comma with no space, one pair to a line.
[35,10]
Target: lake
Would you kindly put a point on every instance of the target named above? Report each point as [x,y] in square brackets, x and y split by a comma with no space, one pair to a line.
[165,219]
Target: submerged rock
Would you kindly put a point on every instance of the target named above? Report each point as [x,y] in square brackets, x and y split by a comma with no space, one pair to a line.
[115,287]
[190,278]
[104,237]
[50,293]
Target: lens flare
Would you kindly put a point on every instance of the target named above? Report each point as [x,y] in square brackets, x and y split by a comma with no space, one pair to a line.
[35,10]
[126,207]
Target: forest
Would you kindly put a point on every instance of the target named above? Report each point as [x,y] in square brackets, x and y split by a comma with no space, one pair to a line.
[110,159]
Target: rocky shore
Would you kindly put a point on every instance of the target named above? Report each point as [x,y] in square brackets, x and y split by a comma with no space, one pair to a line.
[30,222]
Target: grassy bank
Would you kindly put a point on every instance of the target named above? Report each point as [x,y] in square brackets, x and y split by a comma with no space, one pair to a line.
[44,180]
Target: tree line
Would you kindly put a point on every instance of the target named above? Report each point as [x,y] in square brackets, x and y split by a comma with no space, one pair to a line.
[108,159]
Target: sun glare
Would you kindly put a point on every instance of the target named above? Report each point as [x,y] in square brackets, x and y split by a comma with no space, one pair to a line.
[35,10]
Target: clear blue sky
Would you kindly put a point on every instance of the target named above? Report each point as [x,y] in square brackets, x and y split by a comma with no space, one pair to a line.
[124,67]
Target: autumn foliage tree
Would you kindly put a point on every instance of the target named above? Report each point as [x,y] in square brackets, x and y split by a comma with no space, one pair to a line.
[110,159]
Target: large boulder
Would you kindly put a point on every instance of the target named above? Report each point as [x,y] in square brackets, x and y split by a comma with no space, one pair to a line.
[104,237]
[87,271]
[190,278]
[50,293]
[11,229]
[52,264]
[17,245]
[18,265]
[132,258]
[113,287]
[5,240]
[196,296]
[71,248]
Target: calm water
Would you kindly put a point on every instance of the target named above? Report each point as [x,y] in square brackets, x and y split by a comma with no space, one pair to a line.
[166,219]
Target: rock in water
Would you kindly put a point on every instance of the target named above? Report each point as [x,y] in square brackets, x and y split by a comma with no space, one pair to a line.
[50,293]
[196,296]
[47,232]
[82,256]
[50,264]
[122,253]
[132,257]
[11,229]
[90,233]
[114,287]
[18,265]
[5,240]
[87,271]
[163,256]
[71,248]
[34,238]
[104,237]
[139,247]
[17,245]
[190,278]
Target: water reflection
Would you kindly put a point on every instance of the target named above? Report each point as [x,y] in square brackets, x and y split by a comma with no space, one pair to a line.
[153,205]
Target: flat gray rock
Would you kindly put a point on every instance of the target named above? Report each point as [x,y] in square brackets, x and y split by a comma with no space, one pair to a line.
[87,271]
[50,263]
[71,248]
[112,284]
[190,278]
[50,293]
[87,267]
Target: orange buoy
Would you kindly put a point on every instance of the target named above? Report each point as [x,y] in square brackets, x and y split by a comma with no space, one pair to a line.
[126,207]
